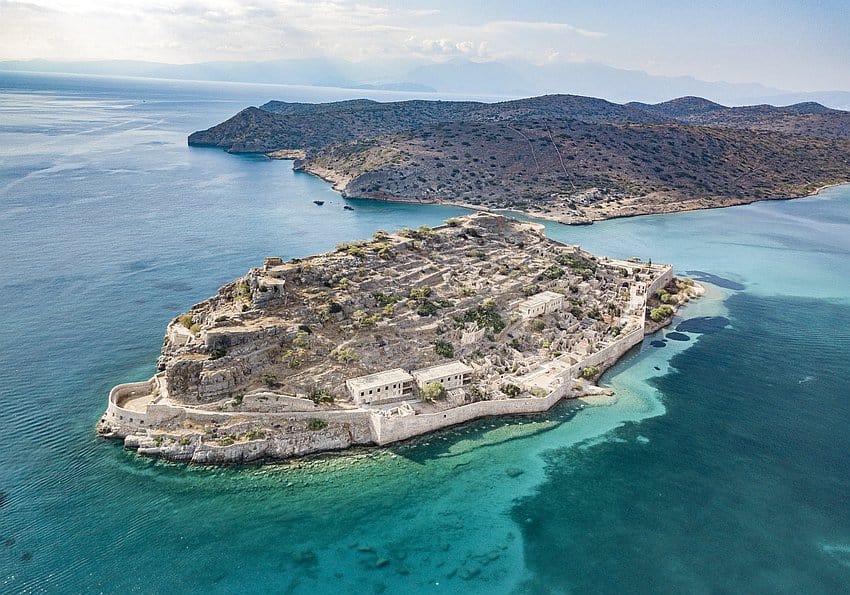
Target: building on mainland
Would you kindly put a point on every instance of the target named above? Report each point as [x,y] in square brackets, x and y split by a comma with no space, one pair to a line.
[452,375]
[541,303]
[381,387]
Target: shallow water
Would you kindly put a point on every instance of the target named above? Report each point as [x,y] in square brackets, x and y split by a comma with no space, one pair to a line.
[721,467]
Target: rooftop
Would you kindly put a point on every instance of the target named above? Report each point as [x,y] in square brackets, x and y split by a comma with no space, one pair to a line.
[441,371]
[378,379]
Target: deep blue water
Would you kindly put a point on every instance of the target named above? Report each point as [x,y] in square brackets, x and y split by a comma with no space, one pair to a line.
[723,466]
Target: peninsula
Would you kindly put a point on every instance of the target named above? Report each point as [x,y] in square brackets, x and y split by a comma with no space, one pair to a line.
[386,339]
[568,158]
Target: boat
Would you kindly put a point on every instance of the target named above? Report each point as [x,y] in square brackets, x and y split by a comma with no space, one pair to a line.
[318,202]
[347,208]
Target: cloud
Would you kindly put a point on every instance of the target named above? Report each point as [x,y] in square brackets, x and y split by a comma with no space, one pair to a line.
[541,26]
[182,31]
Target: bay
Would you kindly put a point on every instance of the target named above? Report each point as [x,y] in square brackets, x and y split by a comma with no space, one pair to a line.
[722,466]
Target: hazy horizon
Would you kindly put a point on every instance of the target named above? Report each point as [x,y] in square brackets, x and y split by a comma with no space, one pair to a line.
[788,45]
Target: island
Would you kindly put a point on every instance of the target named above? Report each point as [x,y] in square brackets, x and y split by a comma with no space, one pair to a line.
[567,158]
[386,339]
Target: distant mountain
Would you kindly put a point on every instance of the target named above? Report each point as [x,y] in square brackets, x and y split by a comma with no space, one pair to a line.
[806,119]
[573,158]
[453,77]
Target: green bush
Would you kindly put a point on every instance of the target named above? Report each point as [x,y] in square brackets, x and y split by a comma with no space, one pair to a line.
[217,353]
[314,424]
[185,320]
[553,272]
[661,313]
[427,308]
[433,391]
[485,316]
[444,348]
[512,390]
[270,380]
[255,434]
[344,355]
[320,395]
[589,372]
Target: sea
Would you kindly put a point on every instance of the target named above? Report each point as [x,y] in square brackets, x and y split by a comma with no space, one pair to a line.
[723,467]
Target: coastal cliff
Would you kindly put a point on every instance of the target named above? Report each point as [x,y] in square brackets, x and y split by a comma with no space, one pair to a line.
[567,158]
[387,339]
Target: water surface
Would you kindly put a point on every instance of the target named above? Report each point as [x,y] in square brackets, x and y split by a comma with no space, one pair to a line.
[722,467]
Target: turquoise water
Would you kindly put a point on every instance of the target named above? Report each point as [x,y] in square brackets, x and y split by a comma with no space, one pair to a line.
[722,467]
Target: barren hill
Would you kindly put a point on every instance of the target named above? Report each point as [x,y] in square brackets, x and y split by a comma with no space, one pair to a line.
[573,158]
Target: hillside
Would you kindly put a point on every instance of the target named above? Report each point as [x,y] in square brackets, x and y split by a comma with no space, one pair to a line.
[574,159]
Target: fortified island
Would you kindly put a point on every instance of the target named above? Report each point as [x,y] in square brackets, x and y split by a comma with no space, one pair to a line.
[387,339]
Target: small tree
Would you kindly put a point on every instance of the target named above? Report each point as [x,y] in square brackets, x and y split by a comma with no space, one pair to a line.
[660,313]
[444,348]
[589,372]
[433,391]
[512,390]
[314,424]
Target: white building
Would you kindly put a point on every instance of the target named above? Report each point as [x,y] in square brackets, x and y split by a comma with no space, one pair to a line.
[452,375]
[541,303]
[383,387]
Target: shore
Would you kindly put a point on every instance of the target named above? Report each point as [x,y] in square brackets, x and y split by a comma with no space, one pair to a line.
[633,206]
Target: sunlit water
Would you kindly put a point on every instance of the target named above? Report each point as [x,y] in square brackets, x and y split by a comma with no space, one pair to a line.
[722,467]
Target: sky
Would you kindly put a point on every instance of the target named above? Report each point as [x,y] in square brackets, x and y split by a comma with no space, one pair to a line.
[793,45]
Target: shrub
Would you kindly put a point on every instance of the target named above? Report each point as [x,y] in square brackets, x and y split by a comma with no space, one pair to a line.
[185,441]
[255,434]
[427,308]
[589,372]
[419,293]
[226,441]
[485,316]
[553,272]
[385,299]
[217,353]
[444,348]
[538,392]
[314,424]
[320,395]
[185,320]
[270,380]
[512,390]
[344,355]
[660,313]
[537,324]
[433,391]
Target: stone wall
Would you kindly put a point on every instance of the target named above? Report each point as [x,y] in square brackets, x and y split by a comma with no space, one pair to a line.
[387,430]
[609,355]
[125,420]
[661,281]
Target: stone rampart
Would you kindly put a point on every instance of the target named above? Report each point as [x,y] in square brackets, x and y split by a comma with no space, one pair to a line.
[387,430]
[124,419]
